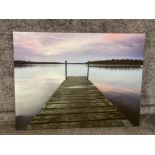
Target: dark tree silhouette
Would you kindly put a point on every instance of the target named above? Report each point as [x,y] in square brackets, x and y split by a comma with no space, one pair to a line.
[118,62]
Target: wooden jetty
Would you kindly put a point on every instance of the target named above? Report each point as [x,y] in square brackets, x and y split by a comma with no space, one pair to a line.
[77,103]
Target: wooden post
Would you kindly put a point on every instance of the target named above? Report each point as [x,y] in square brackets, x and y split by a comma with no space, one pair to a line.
[88,71]
[66,70]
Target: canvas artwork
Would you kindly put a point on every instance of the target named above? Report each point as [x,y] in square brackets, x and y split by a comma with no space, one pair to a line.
[77,80]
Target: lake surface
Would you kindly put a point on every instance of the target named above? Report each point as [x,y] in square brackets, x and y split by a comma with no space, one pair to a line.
[34,85]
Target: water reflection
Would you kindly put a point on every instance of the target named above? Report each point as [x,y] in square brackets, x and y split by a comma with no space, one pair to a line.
[122,86]
[36,83]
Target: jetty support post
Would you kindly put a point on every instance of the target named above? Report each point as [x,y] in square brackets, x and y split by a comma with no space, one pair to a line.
[66,70]
[88,71]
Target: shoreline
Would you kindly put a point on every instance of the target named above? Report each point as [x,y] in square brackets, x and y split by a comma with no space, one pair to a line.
[90,65]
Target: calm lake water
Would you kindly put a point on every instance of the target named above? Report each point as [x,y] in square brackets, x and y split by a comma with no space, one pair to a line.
[35,84]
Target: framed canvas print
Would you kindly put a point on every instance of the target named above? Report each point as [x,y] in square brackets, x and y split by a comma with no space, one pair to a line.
[77,80]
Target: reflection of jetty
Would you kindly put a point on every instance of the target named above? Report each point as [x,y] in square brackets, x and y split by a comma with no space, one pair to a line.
[78,103]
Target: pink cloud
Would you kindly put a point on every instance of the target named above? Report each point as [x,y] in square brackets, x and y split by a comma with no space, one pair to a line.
[26,41]
[112,37]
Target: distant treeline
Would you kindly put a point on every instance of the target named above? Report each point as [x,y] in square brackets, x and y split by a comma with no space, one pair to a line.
[118,62]
[23,62]
[104,62]
[19,62]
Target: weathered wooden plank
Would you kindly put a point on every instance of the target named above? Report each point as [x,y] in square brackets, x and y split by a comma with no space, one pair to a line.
[78,103]
[80,124]
[74,117]
[74,105]
[76,110]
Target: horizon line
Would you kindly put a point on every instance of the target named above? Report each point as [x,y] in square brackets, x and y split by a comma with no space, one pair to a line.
[78,62]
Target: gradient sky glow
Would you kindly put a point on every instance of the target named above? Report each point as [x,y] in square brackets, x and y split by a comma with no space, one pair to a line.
[77,47]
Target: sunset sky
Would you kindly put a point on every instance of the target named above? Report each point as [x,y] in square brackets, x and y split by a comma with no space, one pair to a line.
[77,47]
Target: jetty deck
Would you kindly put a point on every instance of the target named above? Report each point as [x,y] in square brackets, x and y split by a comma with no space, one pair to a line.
[77,103]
